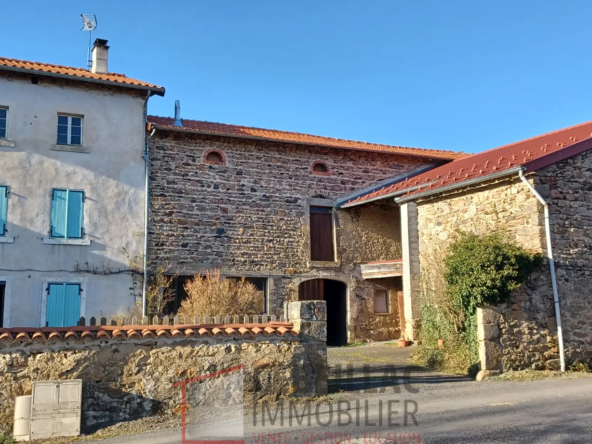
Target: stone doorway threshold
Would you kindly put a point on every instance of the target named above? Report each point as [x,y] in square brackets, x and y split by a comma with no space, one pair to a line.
[378,366]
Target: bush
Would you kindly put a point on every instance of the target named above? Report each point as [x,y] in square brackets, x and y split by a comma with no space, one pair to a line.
[483,270]
[7,439]
[211,295]
[474,270]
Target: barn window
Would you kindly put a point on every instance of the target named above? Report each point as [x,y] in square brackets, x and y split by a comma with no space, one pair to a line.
[380,301]
[320,169]
[321,234]
[215,158]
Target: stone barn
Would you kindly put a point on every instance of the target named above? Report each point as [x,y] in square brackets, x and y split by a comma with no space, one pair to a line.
[538,190]
[265,205]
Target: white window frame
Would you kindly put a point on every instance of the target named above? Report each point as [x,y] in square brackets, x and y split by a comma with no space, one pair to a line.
[69,135]
[60,280]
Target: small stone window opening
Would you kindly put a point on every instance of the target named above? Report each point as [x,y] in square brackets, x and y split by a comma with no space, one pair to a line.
[215,158]
[380,301]
[320,169]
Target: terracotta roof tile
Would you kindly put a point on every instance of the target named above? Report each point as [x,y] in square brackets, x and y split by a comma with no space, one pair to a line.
[533,153]
[223,129]
[128,332]
[77,73]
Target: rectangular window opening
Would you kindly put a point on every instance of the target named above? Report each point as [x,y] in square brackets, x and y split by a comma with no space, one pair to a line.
[63,305]
[321,234]
[69,130]
[67,214]
[2,304]
[381,301]
[3,121]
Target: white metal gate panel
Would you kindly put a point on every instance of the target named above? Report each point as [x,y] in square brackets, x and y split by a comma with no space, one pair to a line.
[56,408]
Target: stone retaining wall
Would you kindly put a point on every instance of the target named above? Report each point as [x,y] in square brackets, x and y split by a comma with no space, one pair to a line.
[129,373]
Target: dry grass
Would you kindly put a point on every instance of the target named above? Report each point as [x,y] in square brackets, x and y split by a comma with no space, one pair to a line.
[211,295]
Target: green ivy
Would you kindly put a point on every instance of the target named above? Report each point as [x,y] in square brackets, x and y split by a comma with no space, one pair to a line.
[482,270]
[477,270]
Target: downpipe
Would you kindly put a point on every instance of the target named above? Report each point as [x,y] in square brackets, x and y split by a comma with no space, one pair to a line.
[551,266]
[146,157]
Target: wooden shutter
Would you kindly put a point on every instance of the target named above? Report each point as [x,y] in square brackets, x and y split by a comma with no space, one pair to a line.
[3,209]
[75,214]
[63,305]
[59,205]
[321,234]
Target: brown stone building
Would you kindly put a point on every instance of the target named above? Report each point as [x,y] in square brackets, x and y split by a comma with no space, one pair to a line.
[264,204]
[538,190]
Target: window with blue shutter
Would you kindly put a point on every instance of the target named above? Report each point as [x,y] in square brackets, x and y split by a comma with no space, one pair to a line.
[63,305]
[3,209]
[67,214]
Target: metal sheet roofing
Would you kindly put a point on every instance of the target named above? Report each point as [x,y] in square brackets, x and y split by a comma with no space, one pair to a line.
[531,154]
[222,129]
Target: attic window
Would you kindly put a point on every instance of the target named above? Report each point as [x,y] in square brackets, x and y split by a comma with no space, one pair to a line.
[215,158]
[320,169]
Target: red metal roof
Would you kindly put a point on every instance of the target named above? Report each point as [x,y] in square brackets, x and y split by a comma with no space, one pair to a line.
[532,154]
[77,73]
[147,331]
[223,129]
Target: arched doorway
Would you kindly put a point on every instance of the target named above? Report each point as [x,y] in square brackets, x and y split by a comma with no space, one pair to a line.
[334,293]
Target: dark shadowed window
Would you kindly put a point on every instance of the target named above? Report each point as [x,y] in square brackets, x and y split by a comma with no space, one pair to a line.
[2,288]
[215,157]
[380,301]
[320,167]
[321,234]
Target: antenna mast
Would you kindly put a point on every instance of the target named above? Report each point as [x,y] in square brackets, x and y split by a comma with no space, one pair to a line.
[89,23]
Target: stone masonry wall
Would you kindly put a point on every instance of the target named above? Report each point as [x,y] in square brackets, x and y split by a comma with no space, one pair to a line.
[370,233]
[567,186]
[250,216]
[527,336]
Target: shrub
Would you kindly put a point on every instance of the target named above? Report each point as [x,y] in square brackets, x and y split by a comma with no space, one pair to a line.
[211,295]
[474,270]
[484,269]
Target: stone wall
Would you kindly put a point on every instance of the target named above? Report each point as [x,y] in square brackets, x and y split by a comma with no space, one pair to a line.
[527,323]
[129,375]
[566,186]
[249,217]
[370,233]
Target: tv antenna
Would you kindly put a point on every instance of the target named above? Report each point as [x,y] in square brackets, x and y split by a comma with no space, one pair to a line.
[89,23]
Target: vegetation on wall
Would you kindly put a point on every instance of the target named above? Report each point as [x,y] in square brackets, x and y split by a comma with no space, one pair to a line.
[472,271]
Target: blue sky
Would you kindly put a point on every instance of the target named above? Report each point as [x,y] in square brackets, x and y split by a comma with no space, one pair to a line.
[460,75]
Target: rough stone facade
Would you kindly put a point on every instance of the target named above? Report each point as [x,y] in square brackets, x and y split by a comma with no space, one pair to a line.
[566,186]
[527,324]
[249,216]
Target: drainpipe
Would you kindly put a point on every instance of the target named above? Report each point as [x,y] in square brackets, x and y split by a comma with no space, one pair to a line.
[551,267]
[146,157]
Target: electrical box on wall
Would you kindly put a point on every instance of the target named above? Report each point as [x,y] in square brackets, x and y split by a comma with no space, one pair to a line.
[56,408]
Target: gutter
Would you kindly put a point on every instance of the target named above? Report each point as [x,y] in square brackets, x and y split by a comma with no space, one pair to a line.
[152,90]
[551,267]
[458,185]
[267,139]
[146,157]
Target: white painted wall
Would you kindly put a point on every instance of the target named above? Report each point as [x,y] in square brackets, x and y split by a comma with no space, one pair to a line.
[111,174]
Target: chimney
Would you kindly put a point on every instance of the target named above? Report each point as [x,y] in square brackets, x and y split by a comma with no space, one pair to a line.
[100,55]
[177,121]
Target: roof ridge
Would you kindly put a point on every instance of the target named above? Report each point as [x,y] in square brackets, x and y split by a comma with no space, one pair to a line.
[316,135]
[58,66]
[534,137]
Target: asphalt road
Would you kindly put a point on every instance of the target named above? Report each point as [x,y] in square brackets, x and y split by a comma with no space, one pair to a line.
[554,410]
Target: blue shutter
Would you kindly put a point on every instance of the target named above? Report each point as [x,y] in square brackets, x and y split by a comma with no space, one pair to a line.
[72,305]
[58,213]
[56,298]
[63,305]
[75,214]
[3,209]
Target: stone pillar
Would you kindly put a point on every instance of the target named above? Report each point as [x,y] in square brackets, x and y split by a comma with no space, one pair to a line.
[411,286]
[488,334]
[310,319]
